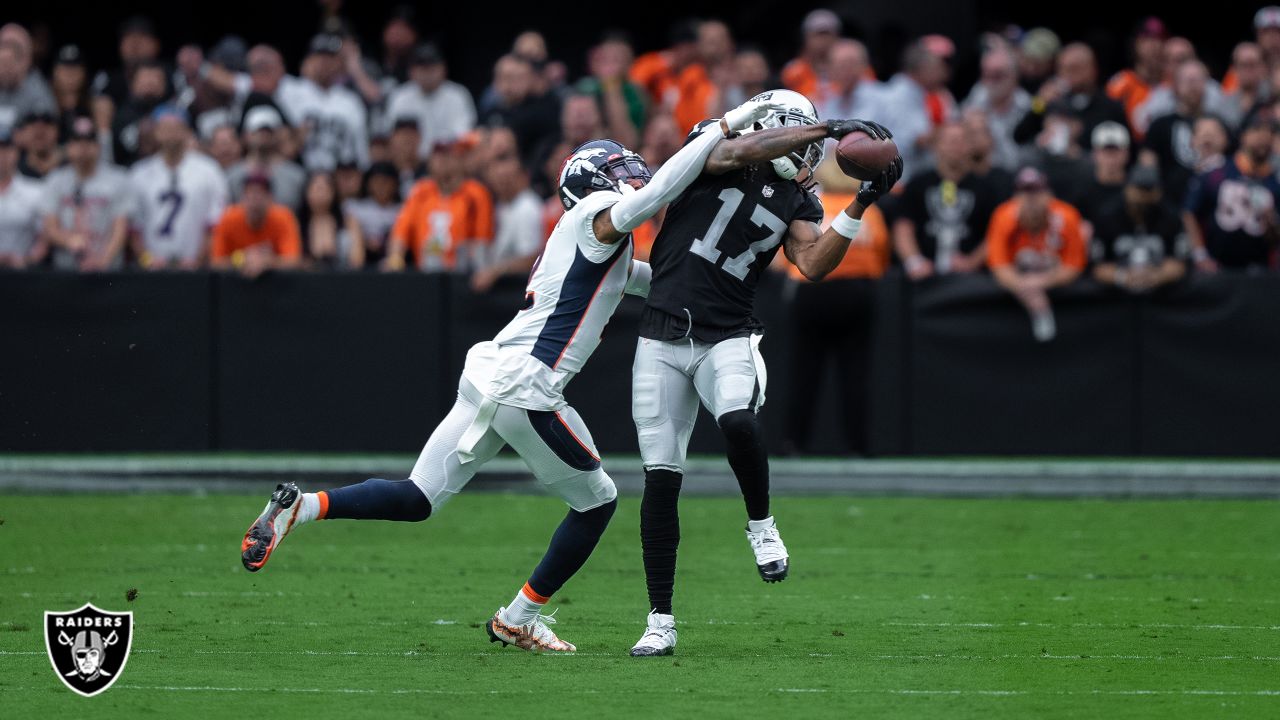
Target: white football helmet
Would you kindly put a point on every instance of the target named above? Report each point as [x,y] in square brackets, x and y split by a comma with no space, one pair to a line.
[799,111]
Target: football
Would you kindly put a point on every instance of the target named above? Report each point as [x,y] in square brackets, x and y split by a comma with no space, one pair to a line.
[863,157]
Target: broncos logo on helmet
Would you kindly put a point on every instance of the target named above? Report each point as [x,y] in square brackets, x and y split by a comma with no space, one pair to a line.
[599,165]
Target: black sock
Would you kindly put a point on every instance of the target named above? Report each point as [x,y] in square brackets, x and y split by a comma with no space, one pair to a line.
[570,547]
[749,459]
[660,534]
[377,499]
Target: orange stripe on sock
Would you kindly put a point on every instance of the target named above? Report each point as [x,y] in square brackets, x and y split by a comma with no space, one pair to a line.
[534,596]
[323,497]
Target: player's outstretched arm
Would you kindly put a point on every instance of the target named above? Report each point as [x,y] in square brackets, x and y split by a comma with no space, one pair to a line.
[765,145]
[817,253]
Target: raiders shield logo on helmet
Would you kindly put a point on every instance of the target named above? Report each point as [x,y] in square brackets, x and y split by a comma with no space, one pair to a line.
[88,647]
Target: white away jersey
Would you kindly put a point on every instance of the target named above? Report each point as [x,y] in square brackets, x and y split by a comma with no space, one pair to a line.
[174,207]
[573,290]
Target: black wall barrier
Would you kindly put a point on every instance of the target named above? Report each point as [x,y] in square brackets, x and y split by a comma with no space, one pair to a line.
[370,362]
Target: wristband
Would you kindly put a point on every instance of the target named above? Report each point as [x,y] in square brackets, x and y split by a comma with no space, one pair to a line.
[846,226]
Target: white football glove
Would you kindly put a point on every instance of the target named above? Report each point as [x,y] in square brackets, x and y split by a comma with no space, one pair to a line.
[748,113]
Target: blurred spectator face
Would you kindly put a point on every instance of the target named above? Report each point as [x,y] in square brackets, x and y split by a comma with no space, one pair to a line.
[148,83]
[952,146]
[715,44]
[324,68]
[1269,39]
[399,37]
[530,45]
[1077,67]
[821,31]
[348,179]
[512,80]
[752,71]
[11,65]
[382,189]
[1208,138]
[257,200]
[580,119]
[1148,50]
[506,178]
[1033,209]
[610,59]
[1250,68]
[1189,84]
[68,80]
[224,146]
[1110,160]
[447,165]
[1256,141]
[266,68]
[8,160]
[848,64]
[429,77]
[933,72]
[999,74]
[82,154]
[17,36]
[38,136]
[137,46]
[379,149]
[404,143]
[1177,51]
[320,193]
[662,139]
[500,145]
[978,132]
[171,134]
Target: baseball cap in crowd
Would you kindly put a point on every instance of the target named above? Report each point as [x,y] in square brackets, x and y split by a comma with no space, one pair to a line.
[1040,44]
[1262,117]
[1144,177]
[82,128]
[939,45]
[138,25]
[405,122]
[426,54]
[1030,179]
[38,116]
[69,55]
[262,117]
[231,52]
[382,168]
[822,20]
[1153,27]
[169,110]
[258,177]
[1109,134]
[1267,17]
[326,44]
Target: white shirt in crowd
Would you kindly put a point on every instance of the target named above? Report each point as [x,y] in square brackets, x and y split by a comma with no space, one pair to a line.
[90,206]
[900,106]
[517,227]
[174,207]
[21,215]
[1005,152]
[334,119]
[443,115]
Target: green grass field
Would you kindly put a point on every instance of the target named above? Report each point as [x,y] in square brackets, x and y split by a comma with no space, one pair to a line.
[895,608]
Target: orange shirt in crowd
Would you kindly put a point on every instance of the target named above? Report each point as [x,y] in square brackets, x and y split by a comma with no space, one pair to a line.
[1061,242]
[800,76]
[653,72]
[234,233]
[868,254]
[697,94]
[436,227]
[1230,83]
[1130,90]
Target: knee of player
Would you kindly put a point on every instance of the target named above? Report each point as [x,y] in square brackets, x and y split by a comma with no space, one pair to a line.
[739,425]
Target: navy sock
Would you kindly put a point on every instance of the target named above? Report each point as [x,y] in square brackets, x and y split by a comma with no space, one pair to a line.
[570,547]
[749,459]
[376,499]
[660,535]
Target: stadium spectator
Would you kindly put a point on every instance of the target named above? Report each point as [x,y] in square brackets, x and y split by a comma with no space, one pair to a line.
[22,91]
[1210,140]
[1004,103]
[848,92]
[532,117]
[982,154]
[263,130]
[622,102]
[1110,156]
[403,151]
[370,217]
[903,104]
[131,137]
[662,139]
[1252,86]
[89,206]
[1139,242]
[1266,33]
[37,137]
[139,45]
[332,117]
[348,179]
[399,37]
[1037,50]
[257,234]
[1132,86]
[359,74]
[224,147]
[443,108]
[1074,86]
[1230,212]
[321,224]
[69,83]
[698,85]
[808,73]
[517,237]
[1059,151]
[580,120]
[657,72]
[942,217]
[1168,141]
[751,76]
[178,194]
[448,218]
[1035,244]
[832,321]
[21,211]
[1164,99]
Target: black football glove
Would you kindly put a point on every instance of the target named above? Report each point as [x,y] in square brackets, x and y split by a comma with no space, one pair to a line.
[871,190]
[839,128]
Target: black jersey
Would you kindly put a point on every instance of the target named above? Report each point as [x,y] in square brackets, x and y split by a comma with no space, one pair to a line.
[718,237]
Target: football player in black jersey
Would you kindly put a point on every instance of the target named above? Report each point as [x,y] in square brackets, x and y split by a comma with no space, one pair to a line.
[698,337]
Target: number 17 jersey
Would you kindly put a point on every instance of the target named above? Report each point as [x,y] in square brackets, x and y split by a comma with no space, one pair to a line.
[717,238]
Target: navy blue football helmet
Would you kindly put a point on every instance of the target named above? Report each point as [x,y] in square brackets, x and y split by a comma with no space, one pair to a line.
[599,165]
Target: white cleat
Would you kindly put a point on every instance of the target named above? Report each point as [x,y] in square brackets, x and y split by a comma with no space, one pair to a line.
[535,636]
[771,554]
[659,637]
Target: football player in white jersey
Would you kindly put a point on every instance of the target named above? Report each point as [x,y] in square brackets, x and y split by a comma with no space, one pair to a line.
[179,194]
[511,390]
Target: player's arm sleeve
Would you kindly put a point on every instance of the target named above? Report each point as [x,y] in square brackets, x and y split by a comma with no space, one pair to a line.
[671,179]
[638,279]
